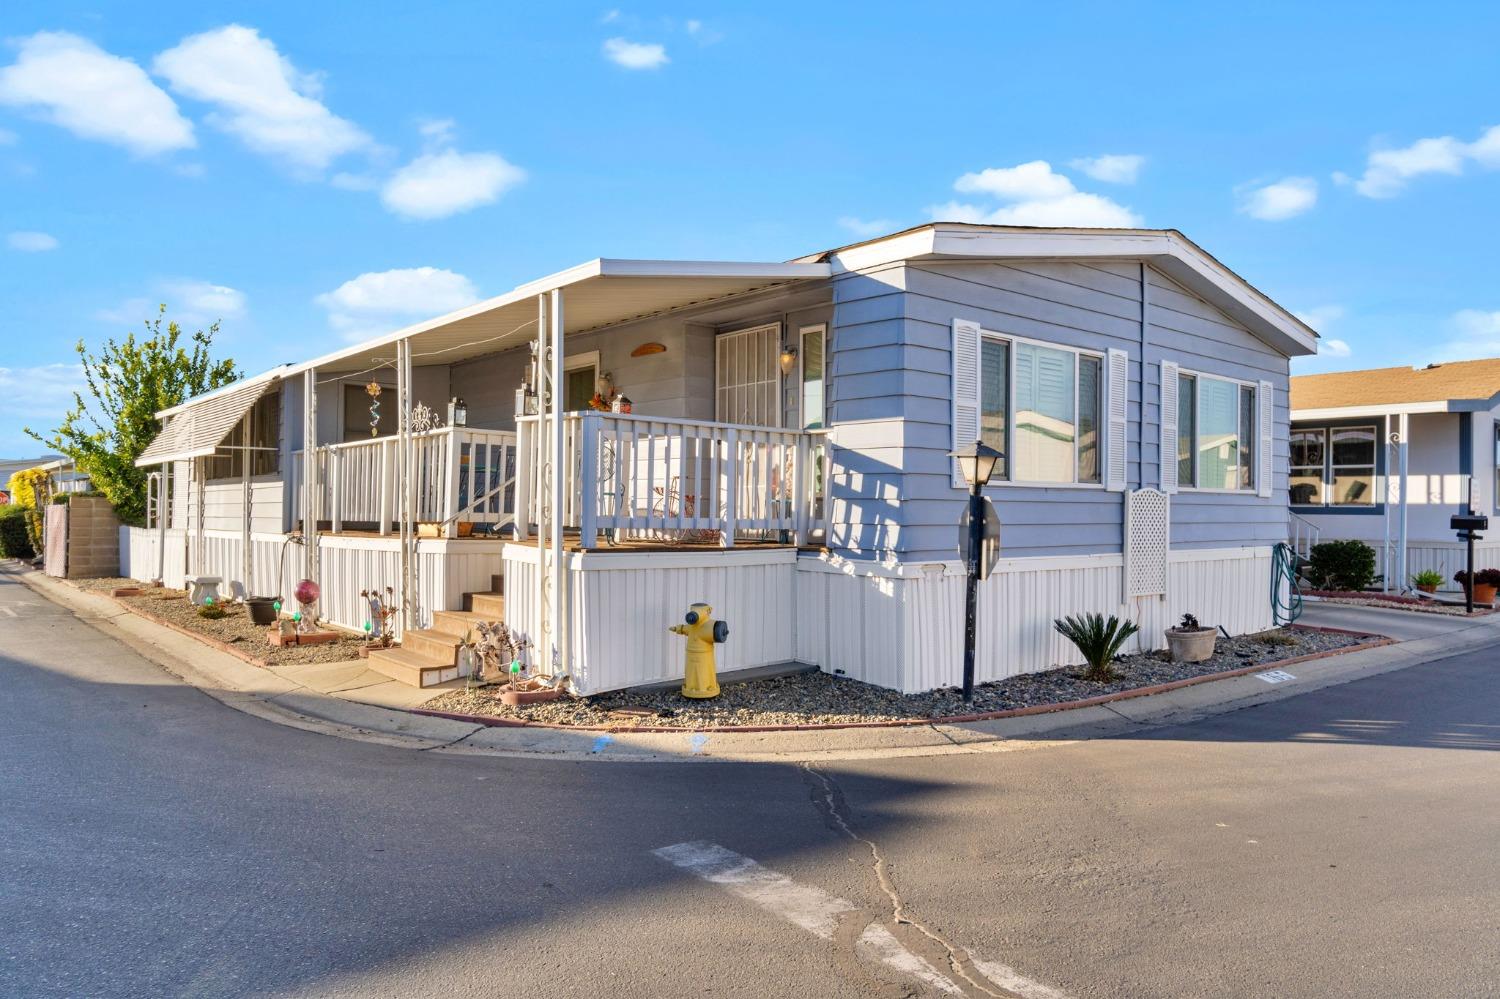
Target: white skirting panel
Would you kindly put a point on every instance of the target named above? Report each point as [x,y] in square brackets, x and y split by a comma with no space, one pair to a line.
[1447,557]
[623,603]
[446,570]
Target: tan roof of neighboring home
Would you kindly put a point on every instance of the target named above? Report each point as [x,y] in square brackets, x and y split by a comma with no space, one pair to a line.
[1383,386]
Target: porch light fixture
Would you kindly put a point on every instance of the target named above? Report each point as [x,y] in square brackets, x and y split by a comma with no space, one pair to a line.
[788,358]
[458,412]
[976,463]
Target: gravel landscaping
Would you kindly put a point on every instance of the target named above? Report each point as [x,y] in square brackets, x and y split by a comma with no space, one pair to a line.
[234,628]
[822,699]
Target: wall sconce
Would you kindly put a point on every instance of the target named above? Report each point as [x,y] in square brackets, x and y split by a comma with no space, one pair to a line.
[458,412]
[788,358]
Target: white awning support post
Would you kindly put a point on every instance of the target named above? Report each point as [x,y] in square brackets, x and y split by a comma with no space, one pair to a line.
[198,504]
[163,517]
[247,455]
[1404,435]
[555,457]
[1388,444]
[406,477]
[311,488]
[541,468]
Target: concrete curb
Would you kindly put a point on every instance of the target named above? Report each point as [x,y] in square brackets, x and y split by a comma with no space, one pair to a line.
[231,680]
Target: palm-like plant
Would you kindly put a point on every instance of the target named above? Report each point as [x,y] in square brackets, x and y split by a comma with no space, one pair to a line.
[1099,638]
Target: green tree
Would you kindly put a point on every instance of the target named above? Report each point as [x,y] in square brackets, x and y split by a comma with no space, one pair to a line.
[128,383]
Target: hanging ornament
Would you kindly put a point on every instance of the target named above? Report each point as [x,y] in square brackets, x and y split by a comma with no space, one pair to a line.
[373,391]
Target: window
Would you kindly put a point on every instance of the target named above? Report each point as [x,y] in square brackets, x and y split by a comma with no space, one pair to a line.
[1216,430]
[265,440]
[1309,452]
[1351,461]
[812,378]
[1041,406]
[1333,466]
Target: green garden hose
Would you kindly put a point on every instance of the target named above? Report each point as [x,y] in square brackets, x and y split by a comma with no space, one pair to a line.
[1285,609]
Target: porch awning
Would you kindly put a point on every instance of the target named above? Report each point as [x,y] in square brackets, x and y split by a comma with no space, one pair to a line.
[197,428]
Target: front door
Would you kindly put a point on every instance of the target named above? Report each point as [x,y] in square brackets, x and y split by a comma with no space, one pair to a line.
[578,388]
[747,376]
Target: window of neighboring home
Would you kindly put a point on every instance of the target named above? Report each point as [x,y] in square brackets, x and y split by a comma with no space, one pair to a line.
[265,441]
[1215,433]
[1351,463]
[1041,406]
[1333,466]
[1497,467]
[1309,453]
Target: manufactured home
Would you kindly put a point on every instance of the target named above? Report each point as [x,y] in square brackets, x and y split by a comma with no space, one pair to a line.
[1387,456]
[591,453]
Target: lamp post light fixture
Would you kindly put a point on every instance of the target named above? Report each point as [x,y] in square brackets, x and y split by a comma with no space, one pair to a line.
[788,358]
[977,463]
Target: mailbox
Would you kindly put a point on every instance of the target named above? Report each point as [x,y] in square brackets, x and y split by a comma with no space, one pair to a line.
[1469,522]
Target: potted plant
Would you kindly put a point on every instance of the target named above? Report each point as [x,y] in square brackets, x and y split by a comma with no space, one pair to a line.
[1486,584]
[1428,580]
[1191,642]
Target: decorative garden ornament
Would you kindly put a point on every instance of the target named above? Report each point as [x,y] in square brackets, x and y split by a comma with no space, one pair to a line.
[383,608]
[307,593]
[373,391]
[424,419]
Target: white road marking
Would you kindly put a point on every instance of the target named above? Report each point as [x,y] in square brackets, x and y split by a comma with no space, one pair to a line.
[1276,676]
[818,912]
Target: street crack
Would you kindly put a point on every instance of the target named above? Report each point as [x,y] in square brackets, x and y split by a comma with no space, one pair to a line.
[835,810]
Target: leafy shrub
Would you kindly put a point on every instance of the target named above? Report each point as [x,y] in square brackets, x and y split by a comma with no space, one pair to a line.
[1342,565]
[14,541]
[1427,577]
[1484,577]
[1099,639]
[211,612]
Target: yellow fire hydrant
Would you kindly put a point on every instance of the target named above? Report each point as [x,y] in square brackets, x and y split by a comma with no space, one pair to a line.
[701,675]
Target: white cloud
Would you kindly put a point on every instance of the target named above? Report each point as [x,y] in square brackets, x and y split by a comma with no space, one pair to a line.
[635,55]
[31,242]
[38,396]
[1334,348]
[609,16]
[1286,198]
[1474,333]
[378,302]
[1036,196]
[437,185]
[1322,317]
[1388,170]
[865,228]
[262,99]
[1112,168]
[438,131]
[72,83]
[194,301]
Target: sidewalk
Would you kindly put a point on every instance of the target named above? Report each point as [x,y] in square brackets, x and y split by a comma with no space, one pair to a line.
[347,700]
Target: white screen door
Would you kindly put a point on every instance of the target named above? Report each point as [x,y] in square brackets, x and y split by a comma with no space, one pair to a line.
[747,376]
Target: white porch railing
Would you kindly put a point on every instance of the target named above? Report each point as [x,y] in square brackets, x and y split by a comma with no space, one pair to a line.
[463,474]
[1304,535]
[647,477]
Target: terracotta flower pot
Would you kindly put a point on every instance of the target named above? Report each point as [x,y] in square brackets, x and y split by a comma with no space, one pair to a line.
[513,697]
[1191,645]
[1427,587]
[1484,593]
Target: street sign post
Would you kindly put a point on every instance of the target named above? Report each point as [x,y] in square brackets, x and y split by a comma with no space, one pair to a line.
[989,534]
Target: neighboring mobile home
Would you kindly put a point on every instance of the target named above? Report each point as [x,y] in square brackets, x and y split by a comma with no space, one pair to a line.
[1352,434]
[785,457]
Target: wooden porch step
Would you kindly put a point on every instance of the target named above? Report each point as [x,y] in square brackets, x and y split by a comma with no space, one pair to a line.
[457,623]
[411,667]
[491,605]
[438,647]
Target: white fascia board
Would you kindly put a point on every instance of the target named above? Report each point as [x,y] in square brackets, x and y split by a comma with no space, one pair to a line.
[714,269]
[1177,257]
[1387,409]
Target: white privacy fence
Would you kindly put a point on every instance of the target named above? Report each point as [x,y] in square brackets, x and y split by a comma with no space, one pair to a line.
[462,475]
[646,477]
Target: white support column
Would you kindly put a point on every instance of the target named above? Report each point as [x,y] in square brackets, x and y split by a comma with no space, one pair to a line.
[731,487]
[407,482]
[163,518]
[1387,443]
[453,459]
[1401,449]
[801,485]
[525,458]
[588,533]
[336,490]
[197,562]
[541,469]
[556,457]
[246,457]
[309,474]
[387,481]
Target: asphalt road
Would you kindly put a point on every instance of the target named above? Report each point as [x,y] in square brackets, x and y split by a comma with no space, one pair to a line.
[154,843]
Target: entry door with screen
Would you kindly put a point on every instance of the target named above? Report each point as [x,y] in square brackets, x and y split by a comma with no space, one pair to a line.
[578,388]
[747,376]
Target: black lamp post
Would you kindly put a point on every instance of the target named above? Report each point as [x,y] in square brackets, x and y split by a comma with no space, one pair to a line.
[977,463]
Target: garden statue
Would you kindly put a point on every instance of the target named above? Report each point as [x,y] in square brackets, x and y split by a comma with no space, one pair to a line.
[307,594]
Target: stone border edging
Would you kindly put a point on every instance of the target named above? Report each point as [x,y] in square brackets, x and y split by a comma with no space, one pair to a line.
[1034,709]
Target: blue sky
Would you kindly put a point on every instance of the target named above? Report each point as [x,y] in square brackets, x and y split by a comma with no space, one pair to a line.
[314,172]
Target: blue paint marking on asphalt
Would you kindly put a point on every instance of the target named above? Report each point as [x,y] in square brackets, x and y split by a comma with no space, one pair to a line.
[697,741]
[601,742]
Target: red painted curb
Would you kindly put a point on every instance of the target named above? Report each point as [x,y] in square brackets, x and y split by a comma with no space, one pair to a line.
[1035,709]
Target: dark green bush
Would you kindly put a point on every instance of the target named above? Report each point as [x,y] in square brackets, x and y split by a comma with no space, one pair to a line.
[14,542]
[1342,565]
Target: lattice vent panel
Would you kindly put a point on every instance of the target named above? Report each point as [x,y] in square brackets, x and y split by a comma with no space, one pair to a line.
[1147,540]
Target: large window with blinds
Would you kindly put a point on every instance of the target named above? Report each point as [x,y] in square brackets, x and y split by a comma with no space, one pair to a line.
[1333,466]
[1041,406]
[1216,433]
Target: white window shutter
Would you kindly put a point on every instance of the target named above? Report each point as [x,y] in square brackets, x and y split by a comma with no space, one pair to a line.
[1117,405]
[1265,406]
[966,338]
[1168,457]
